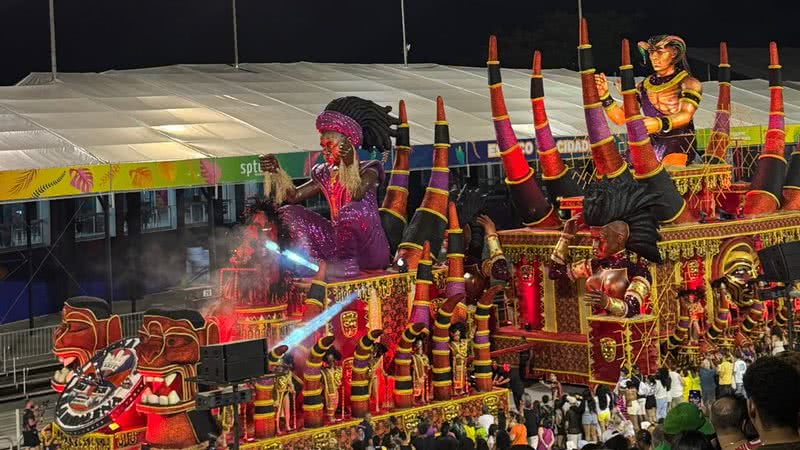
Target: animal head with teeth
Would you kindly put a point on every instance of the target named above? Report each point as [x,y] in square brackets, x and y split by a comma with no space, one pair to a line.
[169,351]
[87,326]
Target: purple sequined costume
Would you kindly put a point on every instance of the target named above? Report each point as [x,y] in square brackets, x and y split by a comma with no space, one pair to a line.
[353,240]
[676,140]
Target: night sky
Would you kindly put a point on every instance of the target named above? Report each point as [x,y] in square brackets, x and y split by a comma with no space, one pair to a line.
[97,35]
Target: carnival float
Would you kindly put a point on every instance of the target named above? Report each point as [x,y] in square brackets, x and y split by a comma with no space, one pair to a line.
[372,313]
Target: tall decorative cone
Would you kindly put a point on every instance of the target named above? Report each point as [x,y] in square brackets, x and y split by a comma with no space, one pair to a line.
[403,384]
[264,414]
[455,262]
[721,133]
[559,179]
[422,306]
[359,386]
[647,168]
[442,372]
[529,201]
[312,387]
[430,219]
[607,160]
[480,342]
[393,211]
[766,187]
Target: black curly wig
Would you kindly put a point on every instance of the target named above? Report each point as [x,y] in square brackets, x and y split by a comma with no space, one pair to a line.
[262,204]
[608,201]
[376,123]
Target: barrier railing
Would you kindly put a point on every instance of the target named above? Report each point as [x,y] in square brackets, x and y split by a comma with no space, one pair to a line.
[20,348]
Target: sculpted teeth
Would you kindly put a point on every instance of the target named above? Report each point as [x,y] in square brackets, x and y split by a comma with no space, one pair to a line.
[173,398]
[170,378]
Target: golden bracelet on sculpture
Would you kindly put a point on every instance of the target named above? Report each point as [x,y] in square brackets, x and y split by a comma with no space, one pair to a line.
[561,249]
[493,245]
[639,288]
[616,307]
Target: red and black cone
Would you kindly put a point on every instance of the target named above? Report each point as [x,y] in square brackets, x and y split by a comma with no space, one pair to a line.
[559,178]
[430,219]
[721,133]
[393,211]
[608,162]
[532,205]
[766,187]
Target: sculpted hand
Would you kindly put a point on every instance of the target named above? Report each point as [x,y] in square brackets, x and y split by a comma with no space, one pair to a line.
[269,163]
[596,299]
[487,224]
[571,225]
[602,84]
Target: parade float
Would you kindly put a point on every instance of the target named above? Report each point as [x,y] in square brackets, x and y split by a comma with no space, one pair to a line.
[699,291]
[372,314]
[346,336]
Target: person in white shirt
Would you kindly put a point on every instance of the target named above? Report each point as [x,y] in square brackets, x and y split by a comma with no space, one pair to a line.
[485,420]
[676,388]
[663,395]
[739,368]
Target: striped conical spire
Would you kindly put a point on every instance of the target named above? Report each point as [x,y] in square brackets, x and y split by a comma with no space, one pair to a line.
[647,169]
[430,219]
[607,160]
[721,133]
[455,254]
[559,179]
[394,209]
[421,308]
[766,187]
[531,204]
[455,263]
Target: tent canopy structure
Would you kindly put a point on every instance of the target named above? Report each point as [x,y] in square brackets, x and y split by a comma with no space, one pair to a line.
[198,124]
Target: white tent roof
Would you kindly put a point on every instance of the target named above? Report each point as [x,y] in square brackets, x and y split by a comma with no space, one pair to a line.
[199,111]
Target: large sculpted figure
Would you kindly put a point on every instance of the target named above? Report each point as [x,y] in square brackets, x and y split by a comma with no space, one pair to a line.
[620,218]
[669,98]
[87,326]
[168,351]
[353,240]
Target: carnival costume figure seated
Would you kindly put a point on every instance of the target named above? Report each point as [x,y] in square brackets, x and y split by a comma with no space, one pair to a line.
[620,218]
[669,99]
[353,240]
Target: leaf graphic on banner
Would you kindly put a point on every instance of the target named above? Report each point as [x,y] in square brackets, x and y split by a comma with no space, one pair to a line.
[210,171]
[41,189]
[108,175]
[168,170]
[23,181]
[81,179]
[141,177]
